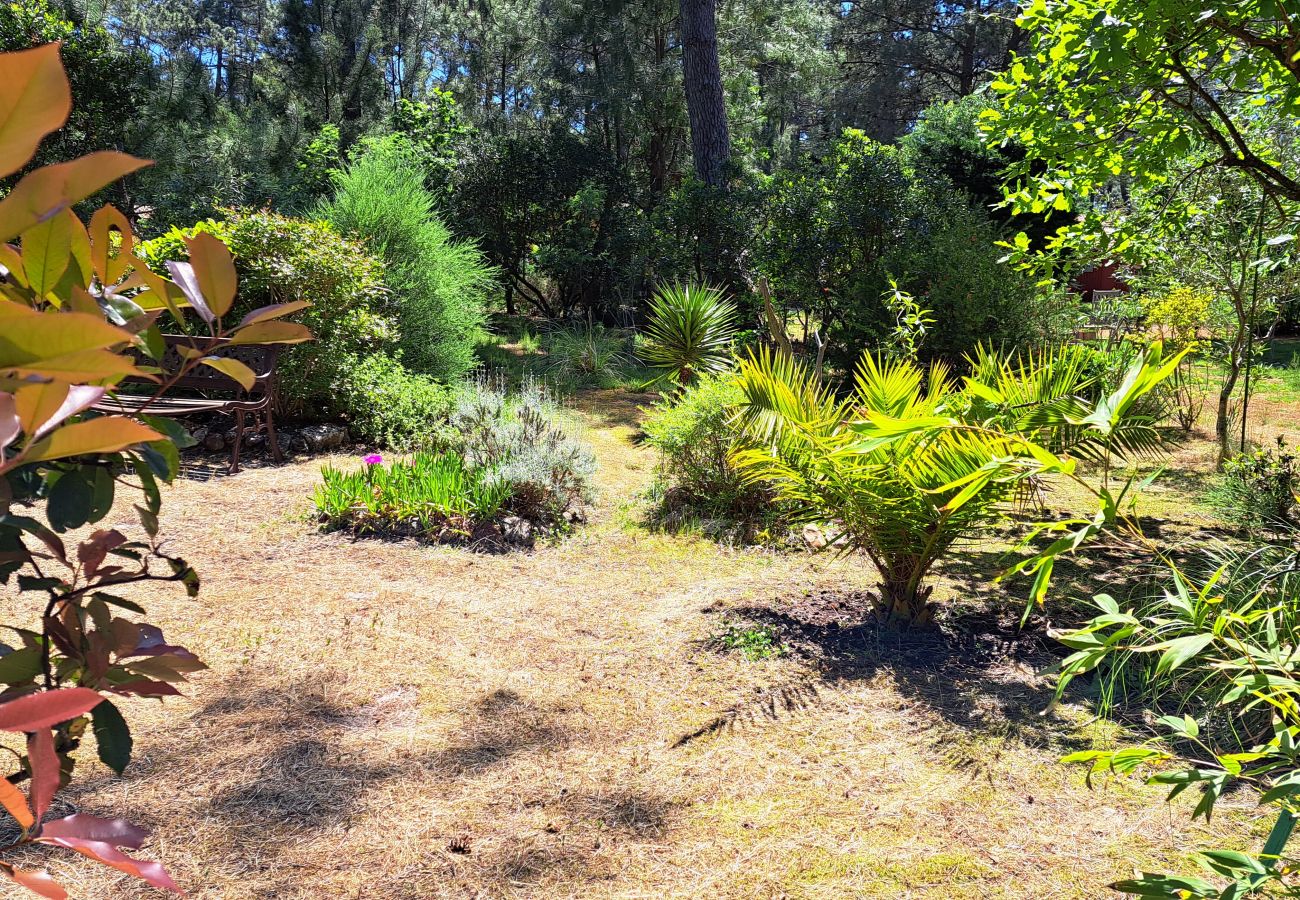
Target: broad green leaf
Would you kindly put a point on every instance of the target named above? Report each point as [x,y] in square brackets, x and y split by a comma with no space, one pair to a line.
[1178,651]
[112,736]
[232,368]
[110,264]
[20,665]
[70,500]
[47,251]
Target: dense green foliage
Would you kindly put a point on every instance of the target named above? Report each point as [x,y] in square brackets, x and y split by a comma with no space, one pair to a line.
[283,260]
[439,284]
[695,437]
[1257,489]
[554,138]
[388,406]
[836,232]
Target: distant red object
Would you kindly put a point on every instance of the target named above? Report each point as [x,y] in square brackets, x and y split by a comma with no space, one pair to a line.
[1099,278]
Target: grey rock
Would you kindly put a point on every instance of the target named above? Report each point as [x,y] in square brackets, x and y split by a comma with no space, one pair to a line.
[320,438]
[518,531]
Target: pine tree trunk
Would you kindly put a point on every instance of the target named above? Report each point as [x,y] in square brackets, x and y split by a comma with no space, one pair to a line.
[705,102]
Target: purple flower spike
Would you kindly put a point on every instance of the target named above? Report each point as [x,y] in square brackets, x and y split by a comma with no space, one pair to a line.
[373,459]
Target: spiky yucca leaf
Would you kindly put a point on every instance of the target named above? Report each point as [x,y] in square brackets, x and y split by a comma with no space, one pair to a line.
[690,331]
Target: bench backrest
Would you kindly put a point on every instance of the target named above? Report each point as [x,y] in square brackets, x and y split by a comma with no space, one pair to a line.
[261,358]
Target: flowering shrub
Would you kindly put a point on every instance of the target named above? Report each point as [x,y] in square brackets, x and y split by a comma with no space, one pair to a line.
[521,443]
[1182,317]
[509,461]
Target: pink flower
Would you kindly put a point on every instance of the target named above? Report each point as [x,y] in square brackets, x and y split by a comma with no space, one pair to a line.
[372,459]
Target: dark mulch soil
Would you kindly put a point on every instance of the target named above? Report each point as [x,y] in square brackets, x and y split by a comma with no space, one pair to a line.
[828,628]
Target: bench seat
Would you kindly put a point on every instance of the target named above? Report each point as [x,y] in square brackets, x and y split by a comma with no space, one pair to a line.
[231,397]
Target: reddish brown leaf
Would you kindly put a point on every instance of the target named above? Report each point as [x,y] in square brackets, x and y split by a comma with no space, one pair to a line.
[15,802]
[168,667]
[146,870]
[126,635]
[183,274]
[10,425]
[273,332]
[45,770]
[115,832]
[92,551]
[59,634]
[38,882]
[46,709]
[142,687]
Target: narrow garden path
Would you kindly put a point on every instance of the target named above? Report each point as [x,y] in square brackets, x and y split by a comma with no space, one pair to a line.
[386,720]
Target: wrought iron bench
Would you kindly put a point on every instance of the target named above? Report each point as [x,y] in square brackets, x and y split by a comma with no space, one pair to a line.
[211,391]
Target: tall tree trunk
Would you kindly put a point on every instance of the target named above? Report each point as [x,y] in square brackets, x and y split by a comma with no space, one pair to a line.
[705,102]
[1221,416]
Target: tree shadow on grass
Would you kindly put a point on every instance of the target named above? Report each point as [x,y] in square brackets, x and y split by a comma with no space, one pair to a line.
[614,408]
[976,670]
[273,766]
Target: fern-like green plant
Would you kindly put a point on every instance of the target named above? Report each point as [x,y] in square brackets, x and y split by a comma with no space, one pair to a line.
[689,333]
[911,462]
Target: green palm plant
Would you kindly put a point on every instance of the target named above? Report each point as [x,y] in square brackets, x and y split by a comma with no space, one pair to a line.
[689,332]
[911,462]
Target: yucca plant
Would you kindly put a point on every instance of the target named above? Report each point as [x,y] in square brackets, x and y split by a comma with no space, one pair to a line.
[911,462]
[689,333]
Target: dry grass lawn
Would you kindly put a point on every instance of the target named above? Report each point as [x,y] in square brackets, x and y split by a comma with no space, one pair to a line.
[387,720]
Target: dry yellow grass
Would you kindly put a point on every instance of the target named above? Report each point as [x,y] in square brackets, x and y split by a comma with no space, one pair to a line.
[386,720]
